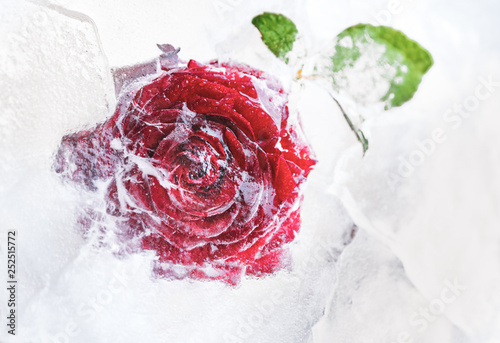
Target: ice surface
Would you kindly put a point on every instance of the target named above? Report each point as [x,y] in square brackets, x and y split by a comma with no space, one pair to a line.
[437,224]
[78,293]
[366,81]
[369,270]
[53,78]
[428,187]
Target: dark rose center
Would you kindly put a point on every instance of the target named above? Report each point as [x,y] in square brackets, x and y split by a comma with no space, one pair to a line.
[199,164]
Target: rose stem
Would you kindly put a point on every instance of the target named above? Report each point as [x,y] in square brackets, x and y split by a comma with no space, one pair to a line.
[359,134]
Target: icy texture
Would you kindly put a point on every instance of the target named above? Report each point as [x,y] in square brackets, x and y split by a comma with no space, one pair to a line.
[81,292]
[428,187]
[437,224]
[366,81]
[53,77]
[51,62]
[368,271]
[193,167]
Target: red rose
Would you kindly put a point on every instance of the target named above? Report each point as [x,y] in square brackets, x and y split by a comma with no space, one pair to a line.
[203,166]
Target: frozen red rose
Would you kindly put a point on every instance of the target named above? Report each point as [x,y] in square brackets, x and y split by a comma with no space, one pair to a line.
[203,166]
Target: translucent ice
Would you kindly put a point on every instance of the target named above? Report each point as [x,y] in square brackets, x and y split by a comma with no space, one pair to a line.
[53,77]
[75,291]
[369,271]
[426,212]
[428,188]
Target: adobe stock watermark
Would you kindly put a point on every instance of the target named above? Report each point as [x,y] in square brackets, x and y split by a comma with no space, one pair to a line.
[424,316]
[453,118]
[254,320]
[319,250]
[384,16]
[87,311]
[223,7]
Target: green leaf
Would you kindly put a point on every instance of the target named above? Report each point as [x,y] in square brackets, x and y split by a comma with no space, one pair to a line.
[386,56]
[278,32]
